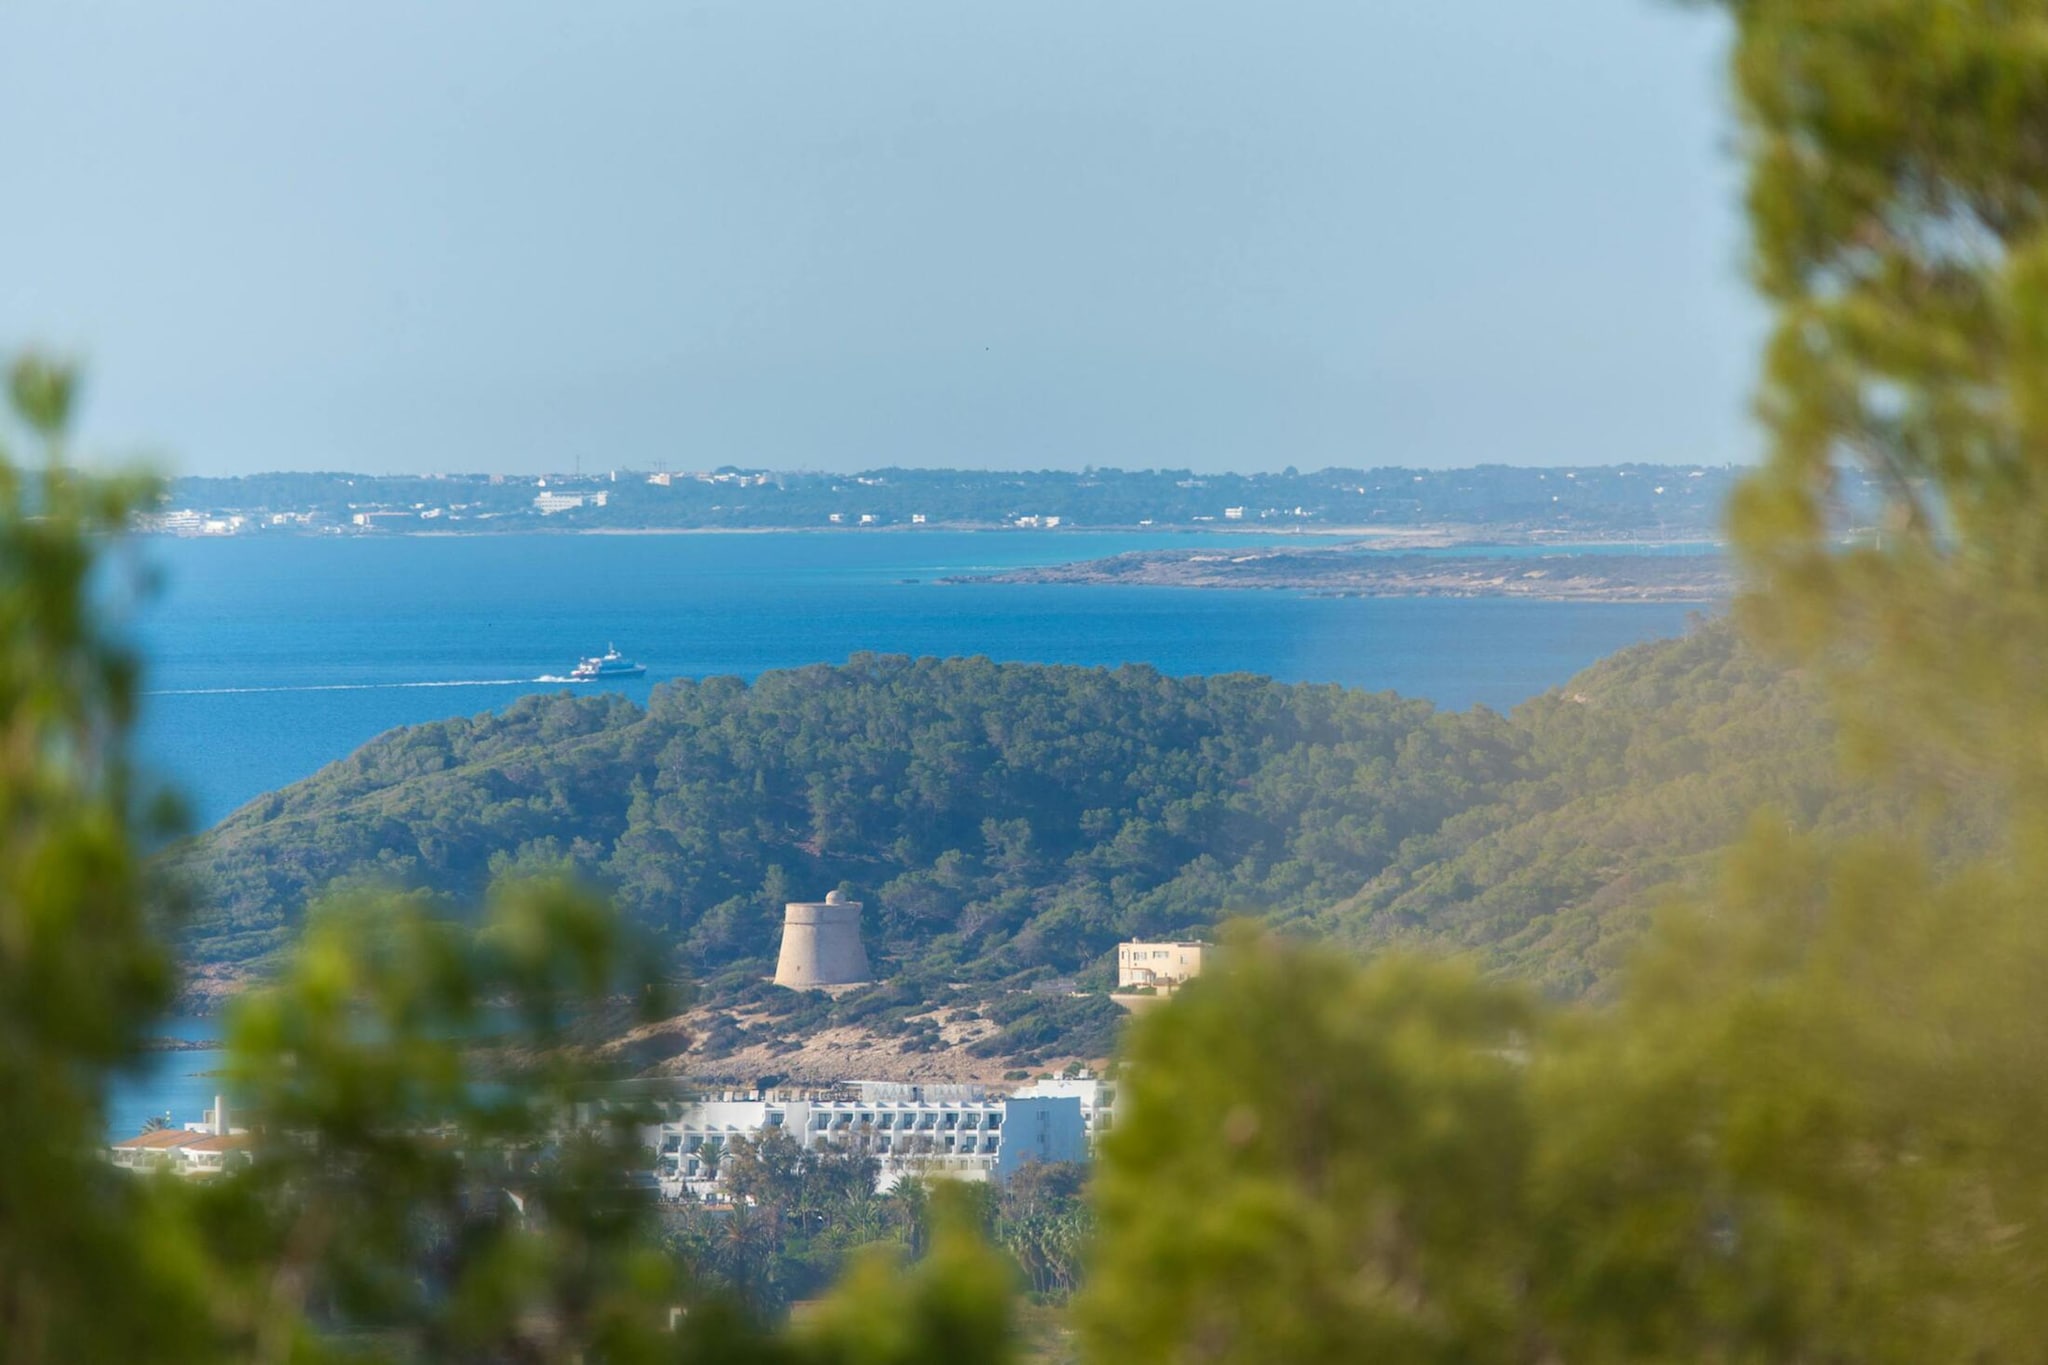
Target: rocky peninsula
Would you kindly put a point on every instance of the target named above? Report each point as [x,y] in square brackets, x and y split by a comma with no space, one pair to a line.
[1361,570]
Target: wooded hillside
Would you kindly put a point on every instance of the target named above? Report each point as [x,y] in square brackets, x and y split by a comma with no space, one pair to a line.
[1007,820]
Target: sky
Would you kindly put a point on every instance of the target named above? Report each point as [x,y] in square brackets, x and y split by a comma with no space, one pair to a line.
[812,234]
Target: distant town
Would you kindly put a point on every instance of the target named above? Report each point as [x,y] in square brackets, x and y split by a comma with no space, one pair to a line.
[1591,502]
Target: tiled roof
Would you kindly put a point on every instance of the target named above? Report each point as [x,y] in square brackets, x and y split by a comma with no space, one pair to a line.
[160,1139]
[223,1142]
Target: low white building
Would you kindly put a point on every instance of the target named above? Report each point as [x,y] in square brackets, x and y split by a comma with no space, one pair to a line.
[207,1147]
[958,1131]
[1096,1096]
[551,503]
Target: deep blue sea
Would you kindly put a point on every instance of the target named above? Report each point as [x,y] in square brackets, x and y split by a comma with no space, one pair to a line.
[271,656]
[180,1084]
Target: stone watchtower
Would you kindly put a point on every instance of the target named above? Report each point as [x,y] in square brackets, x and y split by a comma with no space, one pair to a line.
[821,944]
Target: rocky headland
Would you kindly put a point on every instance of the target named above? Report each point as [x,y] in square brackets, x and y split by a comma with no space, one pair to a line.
[1366,571]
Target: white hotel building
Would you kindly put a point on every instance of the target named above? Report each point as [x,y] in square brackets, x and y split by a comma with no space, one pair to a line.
[207,1147]
[959,1131]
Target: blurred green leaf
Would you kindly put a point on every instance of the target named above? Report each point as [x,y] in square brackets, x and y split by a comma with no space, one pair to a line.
[41,389]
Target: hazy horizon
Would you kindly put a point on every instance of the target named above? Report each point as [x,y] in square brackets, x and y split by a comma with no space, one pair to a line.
[602,471]
[503,237]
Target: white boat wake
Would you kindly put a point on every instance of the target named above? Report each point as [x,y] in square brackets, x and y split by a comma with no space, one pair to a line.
[349,687]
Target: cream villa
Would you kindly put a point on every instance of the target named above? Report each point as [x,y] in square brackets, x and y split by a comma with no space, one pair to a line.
[1163,966]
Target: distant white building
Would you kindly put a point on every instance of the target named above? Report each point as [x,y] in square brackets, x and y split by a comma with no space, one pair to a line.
[551,503]
[1162,966]
[1233,514]
[957,1131]
[185,521]
[207,1147]
[1097,1098]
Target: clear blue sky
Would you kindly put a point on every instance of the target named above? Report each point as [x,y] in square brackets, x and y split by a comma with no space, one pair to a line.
[814,233]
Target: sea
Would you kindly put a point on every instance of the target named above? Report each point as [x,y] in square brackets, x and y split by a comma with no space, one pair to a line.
[269,656]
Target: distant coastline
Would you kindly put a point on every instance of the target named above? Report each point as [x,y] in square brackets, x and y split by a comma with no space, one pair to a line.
[1386,538]
[1444,561]
[1577,503]
[1376,571]
[898,529]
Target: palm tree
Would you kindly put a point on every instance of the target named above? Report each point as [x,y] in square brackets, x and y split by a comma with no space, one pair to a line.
[909,1202]
[863,1218]
[709,1155]
[743,1252]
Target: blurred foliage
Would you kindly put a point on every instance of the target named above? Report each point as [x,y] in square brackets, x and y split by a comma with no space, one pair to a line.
[787,1218]
[953,1304]
[1314,1162]
[1901,235]
[1809,1130]
[84,968]
[440,1170]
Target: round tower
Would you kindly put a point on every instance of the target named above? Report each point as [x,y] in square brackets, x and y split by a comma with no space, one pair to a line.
[821,944]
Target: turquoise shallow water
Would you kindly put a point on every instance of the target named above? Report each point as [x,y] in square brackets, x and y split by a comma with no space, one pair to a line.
[271,657]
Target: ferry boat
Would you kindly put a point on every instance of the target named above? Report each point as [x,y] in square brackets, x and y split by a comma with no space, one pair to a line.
[610,664]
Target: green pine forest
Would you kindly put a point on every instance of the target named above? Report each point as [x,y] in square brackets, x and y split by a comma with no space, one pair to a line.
[1009,823]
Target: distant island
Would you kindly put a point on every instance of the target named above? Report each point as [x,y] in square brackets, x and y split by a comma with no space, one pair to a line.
[1642,501]
[1366,571]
